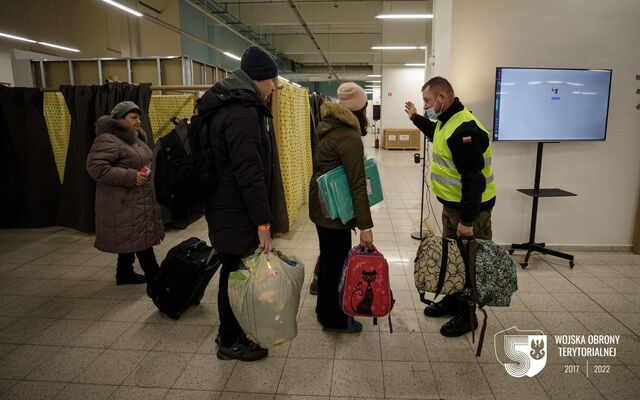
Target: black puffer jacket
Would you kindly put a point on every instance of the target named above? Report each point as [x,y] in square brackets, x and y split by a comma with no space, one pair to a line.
[243,161]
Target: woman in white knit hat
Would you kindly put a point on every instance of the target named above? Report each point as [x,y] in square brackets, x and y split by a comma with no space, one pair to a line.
[339,133]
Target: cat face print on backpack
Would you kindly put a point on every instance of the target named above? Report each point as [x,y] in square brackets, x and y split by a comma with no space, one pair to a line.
[367,297]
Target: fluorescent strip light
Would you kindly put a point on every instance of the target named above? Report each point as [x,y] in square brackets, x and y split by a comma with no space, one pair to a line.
[59,47]
[374,76]
[120,6]
[374,81]
[394,47]
[283,78]
[414,65]
[235,57]
[404,16]
[296,85]
[17,37]
[372,86]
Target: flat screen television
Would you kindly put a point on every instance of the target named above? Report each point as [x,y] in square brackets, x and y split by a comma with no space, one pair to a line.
[551,104]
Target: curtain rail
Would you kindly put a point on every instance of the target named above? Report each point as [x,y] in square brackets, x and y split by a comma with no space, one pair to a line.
[155,88]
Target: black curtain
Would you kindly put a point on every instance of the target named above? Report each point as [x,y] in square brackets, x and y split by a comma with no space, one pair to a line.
[279,213]
[29,181]
[110,95]
[86,104]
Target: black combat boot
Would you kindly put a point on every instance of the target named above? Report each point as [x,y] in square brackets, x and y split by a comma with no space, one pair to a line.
[464,321]
[449,305]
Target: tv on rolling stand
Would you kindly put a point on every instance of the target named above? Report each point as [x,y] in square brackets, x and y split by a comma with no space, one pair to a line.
[549,105]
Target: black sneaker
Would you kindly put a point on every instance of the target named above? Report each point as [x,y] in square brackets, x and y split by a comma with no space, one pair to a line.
[243,350]
[450,305]
[460,324]
[130,278]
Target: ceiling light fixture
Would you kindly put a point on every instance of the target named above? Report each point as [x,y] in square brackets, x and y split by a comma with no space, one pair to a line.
[17,37]
[374,81]
[231,55]
[124,8]
[59,47]
[414,65]
[374,76]
[404,16]
[283,78]
[372,86]
[397,47]
[296,85]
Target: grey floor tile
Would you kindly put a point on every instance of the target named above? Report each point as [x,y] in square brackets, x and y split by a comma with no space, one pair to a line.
[560,323]
[400,346]
[357,378]
[601,323]
[182,394]
[402,320]
[257,377]
[141,336]
[306,377]
[75,391]
[30,390]
[630,320]
[561,386]
[112,367]
[91,309]
[128,311]
[183,338]
[541,302]
[445,349]
[65,365]
[361,346]
[618,383]
[313,344]
[506,387]
[138,393]
[461,381]
[205,372]
[61,332]
[245,396]
[160,370]
[24,359]
[578,302]
[101,334]
[409,380]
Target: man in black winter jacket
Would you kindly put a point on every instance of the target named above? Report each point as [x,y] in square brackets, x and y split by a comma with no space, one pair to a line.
[461,179]
[238,211]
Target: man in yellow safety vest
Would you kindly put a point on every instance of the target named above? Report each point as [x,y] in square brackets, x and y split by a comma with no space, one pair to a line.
[462,180]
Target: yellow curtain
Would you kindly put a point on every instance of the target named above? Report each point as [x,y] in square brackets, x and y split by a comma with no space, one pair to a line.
[163,107]
[58,120]
[293,133]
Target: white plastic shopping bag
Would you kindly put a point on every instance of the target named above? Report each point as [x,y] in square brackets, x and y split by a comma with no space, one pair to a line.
[265,295]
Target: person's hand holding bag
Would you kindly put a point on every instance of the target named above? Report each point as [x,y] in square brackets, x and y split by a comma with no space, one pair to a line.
[366,237]
[264,235]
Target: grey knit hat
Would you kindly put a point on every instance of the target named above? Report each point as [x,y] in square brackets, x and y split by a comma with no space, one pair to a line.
[123,108]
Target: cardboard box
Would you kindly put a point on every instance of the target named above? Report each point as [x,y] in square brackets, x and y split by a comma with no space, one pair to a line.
[406,139]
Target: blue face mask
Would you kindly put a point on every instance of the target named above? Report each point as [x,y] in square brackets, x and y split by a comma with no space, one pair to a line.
[431,113]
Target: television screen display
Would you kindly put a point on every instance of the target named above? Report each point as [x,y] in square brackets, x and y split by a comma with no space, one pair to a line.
[550,105]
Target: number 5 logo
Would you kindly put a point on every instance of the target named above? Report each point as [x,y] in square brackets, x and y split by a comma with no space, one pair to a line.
[525,352]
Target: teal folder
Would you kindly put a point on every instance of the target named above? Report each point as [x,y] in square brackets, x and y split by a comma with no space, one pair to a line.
[335,192]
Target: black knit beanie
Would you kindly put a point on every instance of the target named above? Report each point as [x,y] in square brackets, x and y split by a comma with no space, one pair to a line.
[258,64]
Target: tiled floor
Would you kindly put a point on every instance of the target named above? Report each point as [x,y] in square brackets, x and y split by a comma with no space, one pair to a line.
[67,332]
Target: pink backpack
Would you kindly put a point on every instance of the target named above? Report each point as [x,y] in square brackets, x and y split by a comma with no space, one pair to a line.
[364,286]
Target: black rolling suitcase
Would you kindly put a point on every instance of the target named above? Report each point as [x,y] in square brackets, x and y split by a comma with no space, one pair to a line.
[183,277]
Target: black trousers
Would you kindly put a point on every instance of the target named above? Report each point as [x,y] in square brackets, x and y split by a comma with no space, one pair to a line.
[334,248]
[147,259]
[229,329]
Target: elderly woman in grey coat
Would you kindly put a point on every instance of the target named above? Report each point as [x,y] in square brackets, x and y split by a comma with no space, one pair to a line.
[128,220]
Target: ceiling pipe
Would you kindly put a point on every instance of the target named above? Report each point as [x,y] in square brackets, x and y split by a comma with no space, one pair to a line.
[296,10]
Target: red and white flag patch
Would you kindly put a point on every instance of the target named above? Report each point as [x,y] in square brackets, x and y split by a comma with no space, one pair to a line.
[467,139]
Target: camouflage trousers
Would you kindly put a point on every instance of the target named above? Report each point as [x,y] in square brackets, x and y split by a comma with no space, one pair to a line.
[481,226]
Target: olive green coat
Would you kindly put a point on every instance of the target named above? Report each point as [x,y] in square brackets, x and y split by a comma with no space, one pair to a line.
[340,143]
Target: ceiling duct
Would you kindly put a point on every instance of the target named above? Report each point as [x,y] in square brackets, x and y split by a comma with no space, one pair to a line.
[296,10]
[219,13]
